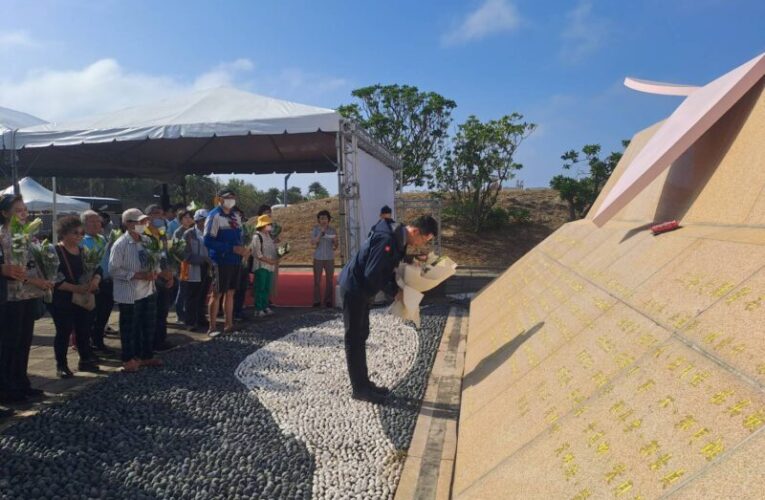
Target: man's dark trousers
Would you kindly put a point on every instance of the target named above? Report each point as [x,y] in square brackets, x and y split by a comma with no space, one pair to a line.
[356,319]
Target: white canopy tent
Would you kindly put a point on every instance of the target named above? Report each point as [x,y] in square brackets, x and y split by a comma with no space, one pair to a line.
[40,199]
[224,131]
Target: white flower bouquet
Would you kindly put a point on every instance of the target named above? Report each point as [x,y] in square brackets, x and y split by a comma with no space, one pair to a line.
[417,278]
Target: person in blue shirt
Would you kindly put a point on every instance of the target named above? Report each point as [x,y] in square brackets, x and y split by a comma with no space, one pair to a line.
[94,239]
[369,271]
[223,239]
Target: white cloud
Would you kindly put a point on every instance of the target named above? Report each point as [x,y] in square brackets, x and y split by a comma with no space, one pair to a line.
[105,86]
[584,33]
[11,40]
[492,17]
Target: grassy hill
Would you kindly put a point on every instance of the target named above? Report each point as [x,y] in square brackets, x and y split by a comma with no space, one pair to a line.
[495,249]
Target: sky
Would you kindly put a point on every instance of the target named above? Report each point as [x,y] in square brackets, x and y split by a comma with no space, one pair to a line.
[561,64]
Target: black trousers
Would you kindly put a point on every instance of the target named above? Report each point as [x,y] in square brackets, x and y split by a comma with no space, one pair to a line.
[164,298]
[241,291]
[68,317]
[137,322]
[16,339]
[104,306]
[196,300]
[356,320]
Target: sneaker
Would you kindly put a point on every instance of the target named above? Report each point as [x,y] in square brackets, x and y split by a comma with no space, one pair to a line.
[268,311]
[131,366]
[260,314]
[64,372]
[213,333]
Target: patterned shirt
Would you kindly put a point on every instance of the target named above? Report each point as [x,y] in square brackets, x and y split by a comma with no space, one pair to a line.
[18,291]
[128,257]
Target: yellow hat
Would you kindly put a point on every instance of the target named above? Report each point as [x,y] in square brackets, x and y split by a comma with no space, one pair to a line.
[263,221]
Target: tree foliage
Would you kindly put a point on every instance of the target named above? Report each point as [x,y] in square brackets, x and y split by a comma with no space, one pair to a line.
[410,123]
[316,191]
[581,191]
[479,162]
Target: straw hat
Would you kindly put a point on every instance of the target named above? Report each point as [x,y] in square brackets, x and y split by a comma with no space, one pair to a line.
[263,221]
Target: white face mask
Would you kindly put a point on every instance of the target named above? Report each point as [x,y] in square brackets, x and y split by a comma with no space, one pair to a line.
[140,228]
[229,203]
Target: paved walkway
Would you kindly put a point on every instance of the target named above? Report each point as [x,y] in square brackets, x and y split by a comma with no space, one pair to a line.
[42,364]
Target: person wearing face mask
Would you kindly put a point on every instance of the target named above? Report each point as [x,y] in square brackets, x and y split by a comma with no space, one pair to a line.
[223,239]
[166,290]
[17,326]
[93,239]
[135,292]
[198,270]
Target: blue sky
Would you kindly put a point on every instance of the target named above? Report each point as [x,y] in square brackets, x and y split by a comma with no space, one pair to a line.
[561,64]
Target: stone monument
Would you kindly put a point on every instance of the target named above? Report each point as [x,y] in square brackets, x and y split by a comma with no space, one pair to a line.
[611,362]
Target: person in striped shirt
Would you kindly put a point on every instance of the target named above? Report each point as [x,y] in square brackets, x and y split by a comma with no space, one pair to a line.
[134,272]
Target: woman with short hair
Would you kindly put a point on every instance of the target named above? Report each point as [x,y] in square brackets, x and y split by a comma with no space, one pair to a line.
[68,315]
[324,240]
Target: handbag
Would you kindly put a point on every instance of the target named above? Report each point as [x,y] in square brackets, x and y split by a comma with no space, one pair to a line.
[85,300]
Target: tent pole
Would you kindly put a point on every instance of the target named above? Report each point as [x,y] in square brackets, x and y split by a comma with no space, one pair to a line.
[53,216]
[286,178]
[14,166]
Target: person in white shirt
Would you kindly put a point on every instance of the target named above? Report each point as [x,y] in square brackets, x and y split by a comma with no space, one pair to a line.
[134,272]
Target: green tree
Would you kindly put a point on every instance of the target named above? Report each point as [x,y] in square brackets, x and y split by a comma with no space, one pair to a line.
[294,195]
[247,197]
[479,162]
[316,191]
[410,123]
[581,191]
[273,196]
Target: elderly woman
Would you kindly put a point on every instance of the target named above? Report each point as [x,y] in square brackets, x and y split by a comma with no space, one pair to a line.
[21,309]
[68,315]
[324,240]
[197,277]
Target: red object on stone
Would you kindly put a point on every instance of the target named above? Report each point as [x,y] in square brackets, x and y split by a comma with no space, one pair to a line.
[664,227]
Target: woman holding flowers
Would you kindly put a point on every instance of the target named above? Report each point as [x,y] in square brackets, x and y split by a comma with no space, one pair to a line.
[24,295]
[73,298]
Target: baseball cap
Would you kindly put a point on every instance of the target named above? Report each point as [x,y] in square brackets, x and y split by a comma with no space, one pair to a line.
[133,215]
[200,214]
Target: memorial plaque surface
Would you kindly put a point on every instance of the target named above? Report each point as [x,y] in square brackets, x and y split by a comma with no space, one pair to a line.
[612,363]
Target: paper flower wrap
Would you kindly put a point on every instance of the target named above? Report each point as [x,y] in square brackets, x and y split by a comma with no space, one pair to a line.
[415,279]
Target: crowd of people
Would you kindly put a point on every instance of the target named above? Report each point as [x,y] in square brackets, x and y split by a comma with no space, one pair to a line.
[200,262]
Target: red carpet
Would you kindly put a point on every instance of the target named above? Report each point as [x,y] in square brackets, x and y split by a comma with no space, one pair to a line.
[295,289]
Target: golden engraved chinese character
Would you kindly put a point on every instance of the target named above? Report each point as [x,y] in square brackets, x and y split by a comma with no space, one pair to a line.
[671,478]
[563,447]
[585,359]
[661,461]
[740,293]
[602,304]
[605,343]
[648,384]
[686,423]
[600,379]
[582,495]
[754,304]
[647,340]
[666,401]
[627,414]
[623,488]
[712,449]
[570,471]
[650,448]
[624,359]
[720,397]
[568,458]
[698,434]
[616,471]
[602,448]
[754,421]
[635,424]
[659,351]
[618,407]
[761,369]
[723,289]
[551,415]
[700,377]
[564,376]
[677,363]
[738,348]
[595,438]
[738,407]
